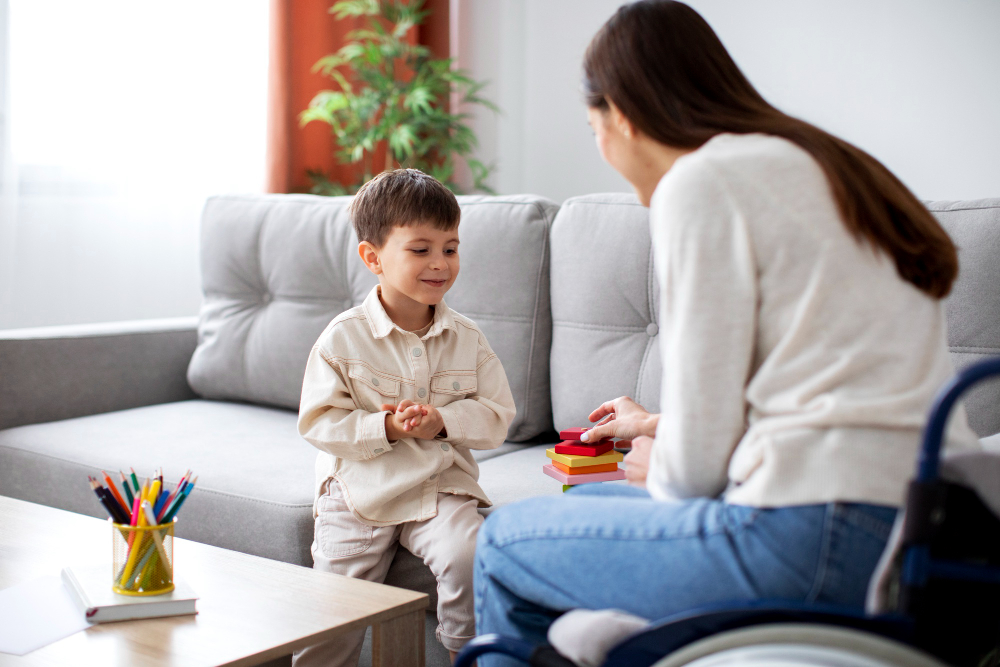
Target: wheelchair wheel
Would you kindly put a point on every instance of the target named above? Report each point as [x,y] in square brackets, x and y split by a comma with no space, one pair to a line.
[797,645]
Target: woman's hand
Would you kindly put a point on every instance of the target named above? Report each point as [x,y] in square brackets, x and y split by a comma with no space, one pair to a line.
[637,461]
[629,420]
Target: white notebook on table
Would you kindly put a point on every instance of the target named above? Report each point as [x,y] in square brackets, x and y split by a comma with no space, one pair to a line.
[90,588]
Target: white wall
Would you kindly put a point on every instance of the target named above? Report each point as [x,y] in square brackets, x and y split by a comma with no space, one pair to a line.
[914,82]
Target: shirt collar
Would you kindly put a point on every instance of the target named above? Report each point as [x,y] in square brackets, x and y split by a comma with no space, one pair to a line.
[382,325]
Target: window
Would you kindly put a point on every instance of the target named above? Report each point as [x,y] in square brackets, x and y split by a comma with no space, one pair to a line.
[122,117]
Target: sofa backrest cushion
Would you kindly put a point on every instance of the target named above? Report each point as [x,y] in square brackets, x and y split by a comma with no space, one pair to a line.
[605,307]
[277,268]
[974,303]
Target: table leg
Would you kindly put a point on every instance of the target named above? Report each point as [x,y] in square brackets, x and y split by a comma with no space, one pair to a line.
[399,642]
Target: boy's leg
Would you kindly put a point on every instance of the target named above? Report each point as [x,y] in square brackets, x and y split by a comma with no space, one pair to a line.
[447,544]
[344,545]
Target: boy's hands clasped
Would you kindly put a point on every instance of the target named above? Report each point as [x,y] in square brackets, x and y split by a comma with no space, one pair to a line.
[413,420]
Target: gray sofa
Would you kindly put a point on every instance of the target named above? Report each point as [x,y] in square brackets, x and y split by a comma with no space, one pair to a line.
[565,294]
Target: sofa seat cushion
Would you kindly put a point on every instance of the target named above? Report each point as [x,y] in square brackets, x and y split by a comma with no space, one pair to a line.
[256,480]
[255,486]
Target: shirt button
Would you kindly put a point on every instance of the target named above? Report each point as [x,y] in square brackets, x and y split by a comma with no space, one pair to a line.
[421,392]
[444,446]
[456,386]
[375,381]
[417,351]
[434,476]
[379,450]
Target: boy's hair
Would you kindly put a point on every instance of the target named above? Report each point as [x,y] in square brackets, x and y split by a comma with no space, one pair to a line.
[401,198]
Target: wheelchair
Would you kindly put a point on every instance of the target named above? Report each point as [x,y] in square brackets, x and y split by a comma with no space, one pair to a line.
[943,594]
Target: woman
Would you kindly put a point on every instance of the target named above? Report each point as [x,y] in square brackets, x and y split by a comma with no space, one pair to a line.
[803,338]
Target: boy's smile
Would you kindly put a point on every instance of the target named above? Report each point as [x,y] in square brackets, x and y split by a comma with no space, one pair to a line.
[416,266]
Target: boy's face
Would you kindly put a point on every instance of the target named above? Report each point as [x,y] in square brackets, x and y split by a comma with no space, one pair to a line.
[418,263]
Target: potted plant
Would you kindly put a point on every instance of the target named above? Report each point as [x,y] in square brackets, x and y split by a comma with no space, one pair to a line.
[394,94]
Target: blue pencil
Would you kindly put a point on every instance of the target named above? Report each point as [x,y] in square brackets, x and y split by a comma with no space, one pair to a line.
[178,501]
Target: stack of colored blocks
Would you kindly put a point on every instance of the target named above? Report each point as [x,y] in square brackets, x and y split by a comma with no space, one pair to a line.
[576,462]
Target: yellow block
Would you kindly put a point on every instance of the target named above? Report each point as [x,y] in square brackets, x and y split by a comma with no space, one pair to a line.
[575,461]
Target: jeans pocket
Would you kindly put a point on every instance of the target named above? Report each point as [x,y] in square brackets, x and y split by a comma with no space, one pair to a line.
[338,531]
[873,520]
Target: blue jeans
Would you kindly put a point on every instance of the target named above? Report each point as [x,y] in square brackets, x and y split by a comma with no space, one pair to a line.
[607,546]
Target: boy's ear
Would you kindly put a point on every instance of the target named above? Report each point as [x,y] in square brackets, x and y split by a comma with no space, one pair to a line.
[369,255]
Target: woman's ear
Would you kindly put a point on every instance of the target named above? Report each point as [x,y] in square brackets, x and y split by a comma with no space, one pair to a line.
[620,122]
[369,255]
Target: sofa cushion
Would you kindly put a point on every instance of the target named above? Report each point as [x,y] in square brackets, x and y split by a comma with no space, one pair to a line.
[605,304]
[256,480]
[974,303]
[277,268]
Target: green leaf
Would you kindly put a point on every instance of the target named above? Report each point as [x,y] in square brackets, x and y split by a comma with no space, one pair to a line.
[401,140]
[419,100]
[348,8]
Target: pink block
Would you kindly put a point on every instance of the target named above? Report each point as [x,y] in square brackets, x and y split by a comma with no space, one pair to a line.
[555,473]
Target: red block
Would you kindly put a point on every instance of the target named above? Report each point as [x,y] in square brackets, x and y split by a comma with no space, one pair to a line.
[584,449]
[573,433]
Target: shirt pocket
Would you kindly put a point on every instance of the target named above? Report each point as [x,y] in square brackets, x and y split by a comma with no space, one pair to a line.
[372,388]
[450,387]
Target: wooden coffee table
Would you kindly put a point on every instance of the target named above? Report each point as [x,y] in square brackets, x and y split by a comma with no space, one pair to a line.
[251,609]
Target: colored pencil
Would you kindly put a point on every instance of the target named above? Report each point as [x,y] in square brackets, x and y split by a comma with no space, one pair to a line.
[180,501]
[114,491]
[135,480]
[126,489]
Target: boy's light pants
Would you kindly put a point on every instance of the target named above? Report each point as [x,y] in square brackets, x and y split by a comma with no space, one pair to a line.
[446,543]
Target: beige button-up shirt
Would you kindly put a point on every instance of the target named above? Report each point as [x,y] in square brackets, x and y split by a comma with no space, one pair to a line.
[363,360]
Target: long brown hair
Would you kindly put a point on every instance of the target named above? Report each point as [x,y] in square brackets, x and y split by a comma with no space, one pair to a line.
[664,67]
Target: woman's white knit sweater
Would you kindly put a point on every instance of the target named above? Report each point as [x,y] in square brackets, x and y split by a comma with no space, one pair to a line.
[798,367]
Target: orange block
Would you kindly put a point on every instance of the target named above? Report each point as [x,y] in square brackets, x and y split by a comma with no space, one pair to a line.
[581,470]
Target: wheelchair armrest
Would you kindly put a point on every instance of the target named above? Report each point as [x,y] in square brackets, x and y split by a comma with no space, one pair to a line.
[674,632]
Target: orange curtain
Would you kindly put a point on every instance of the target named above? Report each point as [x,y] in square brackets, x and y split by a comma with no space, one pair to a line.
[302,32]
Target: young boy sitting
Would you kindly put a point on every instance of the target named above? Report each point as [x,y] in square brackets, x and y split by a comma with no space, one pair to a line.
[396,393]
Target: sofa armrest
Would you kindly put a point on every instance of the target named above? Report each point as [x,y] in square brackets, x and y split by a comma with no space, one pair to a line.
[62,372]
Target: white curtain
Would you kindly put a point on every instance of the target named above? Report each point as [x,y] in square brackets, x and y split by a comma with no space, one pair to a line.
[119,118]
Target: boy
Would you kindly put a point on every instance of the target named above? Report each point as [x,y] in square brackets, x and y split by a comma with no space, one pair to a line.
[396,393]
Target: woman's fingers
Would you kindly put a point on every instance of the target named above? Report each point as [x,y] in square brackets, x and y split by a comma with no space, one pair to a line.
[637,461]
[596,433]
[606,409]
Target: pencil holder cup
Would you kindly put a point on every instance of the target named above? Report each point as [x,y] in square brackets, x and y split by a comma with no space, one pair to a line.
[142,559]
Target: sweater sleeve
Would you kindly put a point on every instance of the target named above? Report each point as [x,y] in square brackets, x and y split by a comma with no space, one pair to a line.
[705,264]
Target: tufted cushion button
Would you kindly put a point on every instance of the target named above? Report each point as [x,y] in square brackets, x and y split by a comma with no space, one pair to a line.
[417,351]
[652,329]
[266,297]
[421,392]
